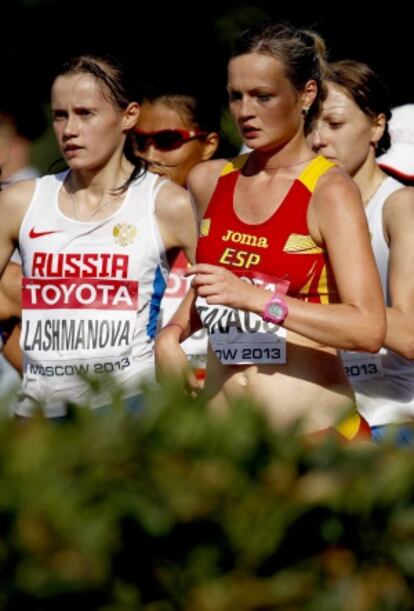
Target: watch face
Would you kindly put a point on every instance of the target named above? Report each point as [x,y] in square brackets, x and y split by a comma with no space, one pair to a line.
[276,310]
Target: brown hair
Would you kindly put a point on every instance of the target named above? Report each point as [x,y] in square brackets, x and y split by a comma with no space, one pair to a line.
[366,89]
[195,110]
[302,53]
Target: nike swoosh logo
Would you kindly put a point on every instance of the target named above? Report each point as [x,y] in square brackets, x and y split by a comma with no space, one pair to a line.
[39,234]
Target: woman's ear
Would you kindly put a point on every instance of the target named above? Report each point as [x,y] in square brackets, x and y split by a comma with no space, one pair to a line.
[378,128]
[309,94]
[131,114]
[210,144]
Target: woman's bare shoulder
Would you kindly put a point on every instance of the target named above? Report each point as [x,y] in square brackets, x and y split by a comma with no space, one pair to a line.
[400,198]
[14,202]
[202,181]
[172,199]
[335,186]
[205,173]
[18,194]
[398,211]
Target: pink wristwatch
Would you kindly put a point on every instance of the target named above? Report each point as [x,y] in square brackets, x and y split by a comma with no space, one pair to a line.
[275,310]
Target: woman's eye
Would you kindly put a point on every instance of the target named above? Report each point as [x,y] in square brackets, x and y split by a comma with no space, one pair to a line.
[234,96]
[263,97]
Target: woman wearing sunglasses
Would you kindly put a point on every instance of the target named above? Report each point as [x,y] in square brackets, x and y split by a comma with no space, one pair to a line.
[285,274]
[177,129]
[94,242]
[352,130]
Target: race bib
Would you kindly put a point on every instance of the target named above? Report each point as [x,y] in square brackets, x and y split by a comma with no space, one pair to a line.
[362,365]
[77,318]
[237,347]
[238,337]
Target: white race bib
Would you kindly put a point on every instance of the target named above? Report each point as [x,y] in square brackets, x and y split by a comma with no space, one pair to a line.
[77,318]
[238,337]
[362,365]
[238,348]
[242,338]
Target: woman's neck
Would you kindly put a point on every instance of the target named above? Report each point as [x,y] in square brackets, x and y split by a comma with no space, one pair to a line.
[99,181]
[369,178]
[289,156]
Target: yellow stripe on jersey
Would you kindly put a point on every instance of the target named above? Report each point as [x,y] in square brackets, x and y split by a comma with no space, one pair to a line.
[323,286]
[205,227]
[235,164]
[305,289]
[301,245]
[314,171]
[309,176]
[322,290]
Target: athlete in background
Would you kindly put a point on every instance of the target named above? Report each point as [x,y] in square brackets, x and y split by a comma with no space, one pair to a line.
[352,130]
[177,129]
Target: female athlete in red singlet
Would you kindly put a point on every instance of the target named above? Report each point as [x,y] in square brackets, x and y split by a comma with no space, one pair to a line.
[285,273]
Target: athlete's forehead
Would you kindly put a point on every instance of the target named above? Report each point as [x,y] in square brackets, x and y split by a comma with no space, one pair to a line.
[255,70]
[337,100]
[156,116]
[77,89]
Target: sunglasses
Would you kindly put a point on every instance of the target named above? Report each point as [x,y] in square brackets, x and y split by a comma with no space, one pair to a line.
[166,139]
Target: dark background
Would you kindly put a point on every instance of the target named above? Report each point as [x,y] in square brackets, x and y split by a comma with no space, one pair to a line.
[157,37]
[191,42]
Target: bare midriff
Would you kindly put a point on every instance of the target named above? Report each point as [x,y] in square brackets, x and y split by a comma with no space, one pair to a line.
[311,387]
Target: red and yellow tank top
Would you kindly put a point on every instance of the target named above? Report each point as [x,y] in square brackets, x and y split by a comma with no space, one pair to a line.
[280,247]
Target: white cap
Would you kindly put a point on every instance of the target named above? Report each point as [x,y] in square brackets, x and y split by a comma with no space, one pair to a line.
[399,159]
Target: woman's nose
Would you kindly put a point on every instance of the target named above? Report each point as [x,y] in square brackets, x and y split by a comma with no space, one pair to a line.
[150,153]
[245,107]
[71,126]
[315,138]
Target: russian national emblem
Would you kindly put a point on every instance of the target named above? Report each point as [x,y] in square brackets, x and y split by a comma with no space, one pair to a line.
[124,234]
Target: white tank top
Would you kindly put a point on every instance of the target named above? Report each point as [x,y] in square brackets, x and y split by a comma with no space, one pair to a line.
[91,295]
[383,382]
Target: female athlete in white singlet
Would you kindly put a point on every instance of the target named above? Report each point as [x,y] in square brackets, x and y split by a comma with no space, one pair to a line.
[94,242]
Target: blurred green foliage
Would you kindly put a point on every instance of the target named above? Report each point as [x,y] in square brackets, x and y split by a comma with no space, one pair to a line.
[176,508]
[45,150]
[230,132]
